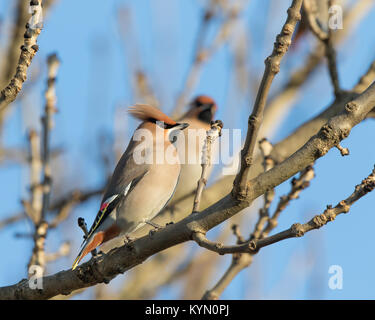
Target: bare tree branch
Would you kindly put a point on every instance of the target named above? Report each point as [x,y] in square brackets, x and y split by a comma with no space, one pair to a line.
[283,100]
[298,184]
[283,41]
[241,260]
[268,163]
[203,54]
[28,51]
[326,38]
[41,225]
[212,135]
[366,79]
[12,55]
[243,252]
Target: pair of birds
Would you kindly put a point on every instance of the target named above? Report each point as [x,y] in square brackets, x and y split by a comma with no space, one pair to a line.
[136,193]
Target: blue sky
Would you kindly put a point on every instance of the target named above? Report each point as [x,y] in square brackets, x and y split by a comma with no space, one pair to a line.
[95,79]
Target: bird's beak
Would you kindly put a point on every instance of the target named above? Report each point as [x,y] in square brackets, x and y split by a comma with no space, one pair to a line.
[181,126]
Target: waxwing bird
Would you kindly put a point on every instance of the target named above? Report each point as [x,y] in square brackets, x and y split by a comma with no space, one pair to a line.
[199,116]
[143,182]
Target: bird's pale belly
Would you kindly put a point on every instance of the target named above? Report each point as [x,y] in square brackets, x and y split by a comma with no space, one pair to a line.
[140,207]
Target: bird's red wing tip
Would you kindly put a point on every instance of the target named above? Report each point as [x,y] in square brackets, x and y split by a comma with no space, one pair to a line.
[96,241]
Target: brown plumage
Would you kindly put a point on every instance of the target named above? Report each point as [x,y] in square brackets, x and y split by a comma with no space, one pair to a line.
[137,190]
[201,113]
[147,112]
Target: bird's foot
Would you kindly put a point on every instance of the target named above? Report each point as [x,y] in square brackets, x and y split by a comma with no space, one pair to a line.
[128,239]
[156,227]
[94,253]
[97,254]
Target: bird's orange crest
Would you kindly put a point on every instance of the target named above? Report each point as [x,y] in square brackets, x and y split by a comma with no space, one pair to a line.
[147,112]
[202,99]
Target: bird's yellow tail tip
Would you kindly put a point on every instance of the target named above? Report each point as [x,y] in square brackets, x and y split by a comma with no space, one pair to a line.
[76,262]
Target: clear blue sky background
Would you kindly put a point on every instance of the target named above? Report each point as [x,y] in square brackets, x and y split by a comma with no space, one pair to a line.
[95,79]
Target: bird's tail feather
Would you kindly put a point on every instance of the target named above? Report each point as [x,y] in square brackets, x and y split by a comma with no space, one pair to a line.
[90,244]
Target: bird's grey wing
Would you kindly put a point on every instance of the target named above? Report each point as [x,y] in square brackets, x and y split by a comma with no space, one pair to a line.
[126,175]
[125,172]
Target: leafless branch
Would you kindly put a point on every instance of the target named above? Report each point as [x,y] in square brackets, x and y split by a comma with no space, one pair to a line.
[144,90]
[202,54]
[241,260]
[12,54]
[283,41]
[212,135]
[246,250]
[325,36]
[28,51]
[268,163]
[311,11]
[298,184]
[280,103]
[41,226]
[366,79]
[63,251]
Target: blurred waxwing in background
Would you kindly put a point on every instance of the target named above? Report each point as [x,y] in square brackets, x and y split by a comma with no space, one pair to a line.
[143,182]
[201,112]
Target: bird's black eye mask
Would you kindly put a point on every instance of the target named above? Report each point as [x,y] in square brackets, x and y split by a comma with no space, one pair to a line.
[206,114]
[162,124]
[199,104]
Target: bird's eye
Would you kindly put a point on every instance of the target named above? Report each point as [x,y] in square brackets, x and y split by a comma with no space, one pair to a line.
[173,138]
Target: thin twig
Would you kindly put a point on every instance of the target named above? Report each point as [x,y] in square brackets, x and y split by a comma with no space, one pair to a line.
[47,120]
[12,55]
[311,11]
[298,184]
[63,251]
[63,207]
[326,38]
[366,79]
[203,54]
[41,226]
[34,208]
[28,51]
[241,260]
[283,41]
[212,135]
[144,90]
[283,100]
[265,147]
[297,229]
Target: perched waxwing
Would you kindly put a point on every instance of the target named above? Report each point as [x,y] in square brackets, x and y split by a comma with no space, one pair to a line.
[143,182]
[199,116]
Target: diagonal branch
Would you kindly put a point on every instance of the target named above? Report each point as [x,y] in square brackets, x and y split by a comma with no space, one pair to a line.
[241,260]
[326,38]
[366,79]
[297,229]
[28,51]
[283,41]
